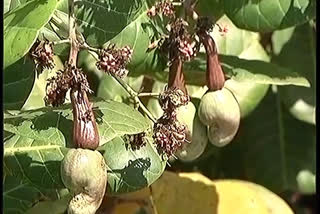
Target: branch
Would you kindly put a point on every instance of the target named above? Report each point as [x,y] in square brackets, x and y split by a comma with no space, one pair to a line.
[74,49]
[155,94]
[131,92]
[61,42]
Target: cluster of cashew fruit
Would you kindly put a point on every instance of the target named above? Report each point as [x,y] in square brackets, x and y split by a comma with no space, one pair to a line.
[83,171]
[218,109]
[218,116]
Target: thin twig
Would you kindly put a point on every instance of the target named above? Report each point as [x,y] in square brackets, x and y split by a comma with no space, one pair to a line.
[155,211]
[131,92]
[61,41]
[74,49]
[150,94]
[87,47]
[134,95]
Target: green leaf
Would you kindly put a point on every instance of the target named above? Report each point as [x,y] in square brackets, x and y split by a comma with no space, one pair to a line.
[241,70]
[298,54]
[114,119]
[100,21]
[22,25]
[131,170]
[139,34]
[18,81]
[271,148]
[266,16]
[11,4]
[243,59]
[248,95]
[213,8]
[19,195]
[109,88]
[123,23]
[41,137]
[54,207]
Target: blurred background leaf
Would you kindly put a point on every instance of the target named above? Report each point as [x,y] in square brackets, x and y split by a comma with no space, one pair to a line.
[298,53]
[266,16]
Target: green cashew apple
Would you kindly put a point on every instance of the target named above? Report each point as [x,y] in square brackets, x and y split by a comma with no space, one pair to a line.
[84,173]
[220,111]
[196,134]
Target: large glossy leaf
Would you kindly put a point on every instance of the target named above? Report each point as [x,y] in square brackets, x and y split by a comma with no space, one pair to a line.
[109,88]
[242,58]
[130,171]
[18,81]
[241,70]
[19,195]
[271,148]
[41,137]
[265,15]
[138,35]
[126,23]
[114,119]
[102,20]
[174,190]
[48,206]
[22,25]
[10,5]
[298,54]
[213,8]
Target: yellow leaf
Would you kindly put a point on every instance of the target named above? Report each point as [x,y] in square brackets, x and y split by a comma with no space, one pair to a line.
[193,193]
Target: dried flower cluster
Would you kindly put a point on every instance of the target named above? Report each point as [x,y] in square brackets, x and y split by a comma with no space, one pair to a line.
[166,8]
[180,39]
[42,55]
[172,98]
[114,60]
[58,86]
[137,140]
[169,134]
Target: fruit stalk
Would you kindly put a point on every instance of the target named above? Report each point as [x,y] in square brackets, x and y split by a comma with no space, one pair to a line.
[214,74]
[176,77]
